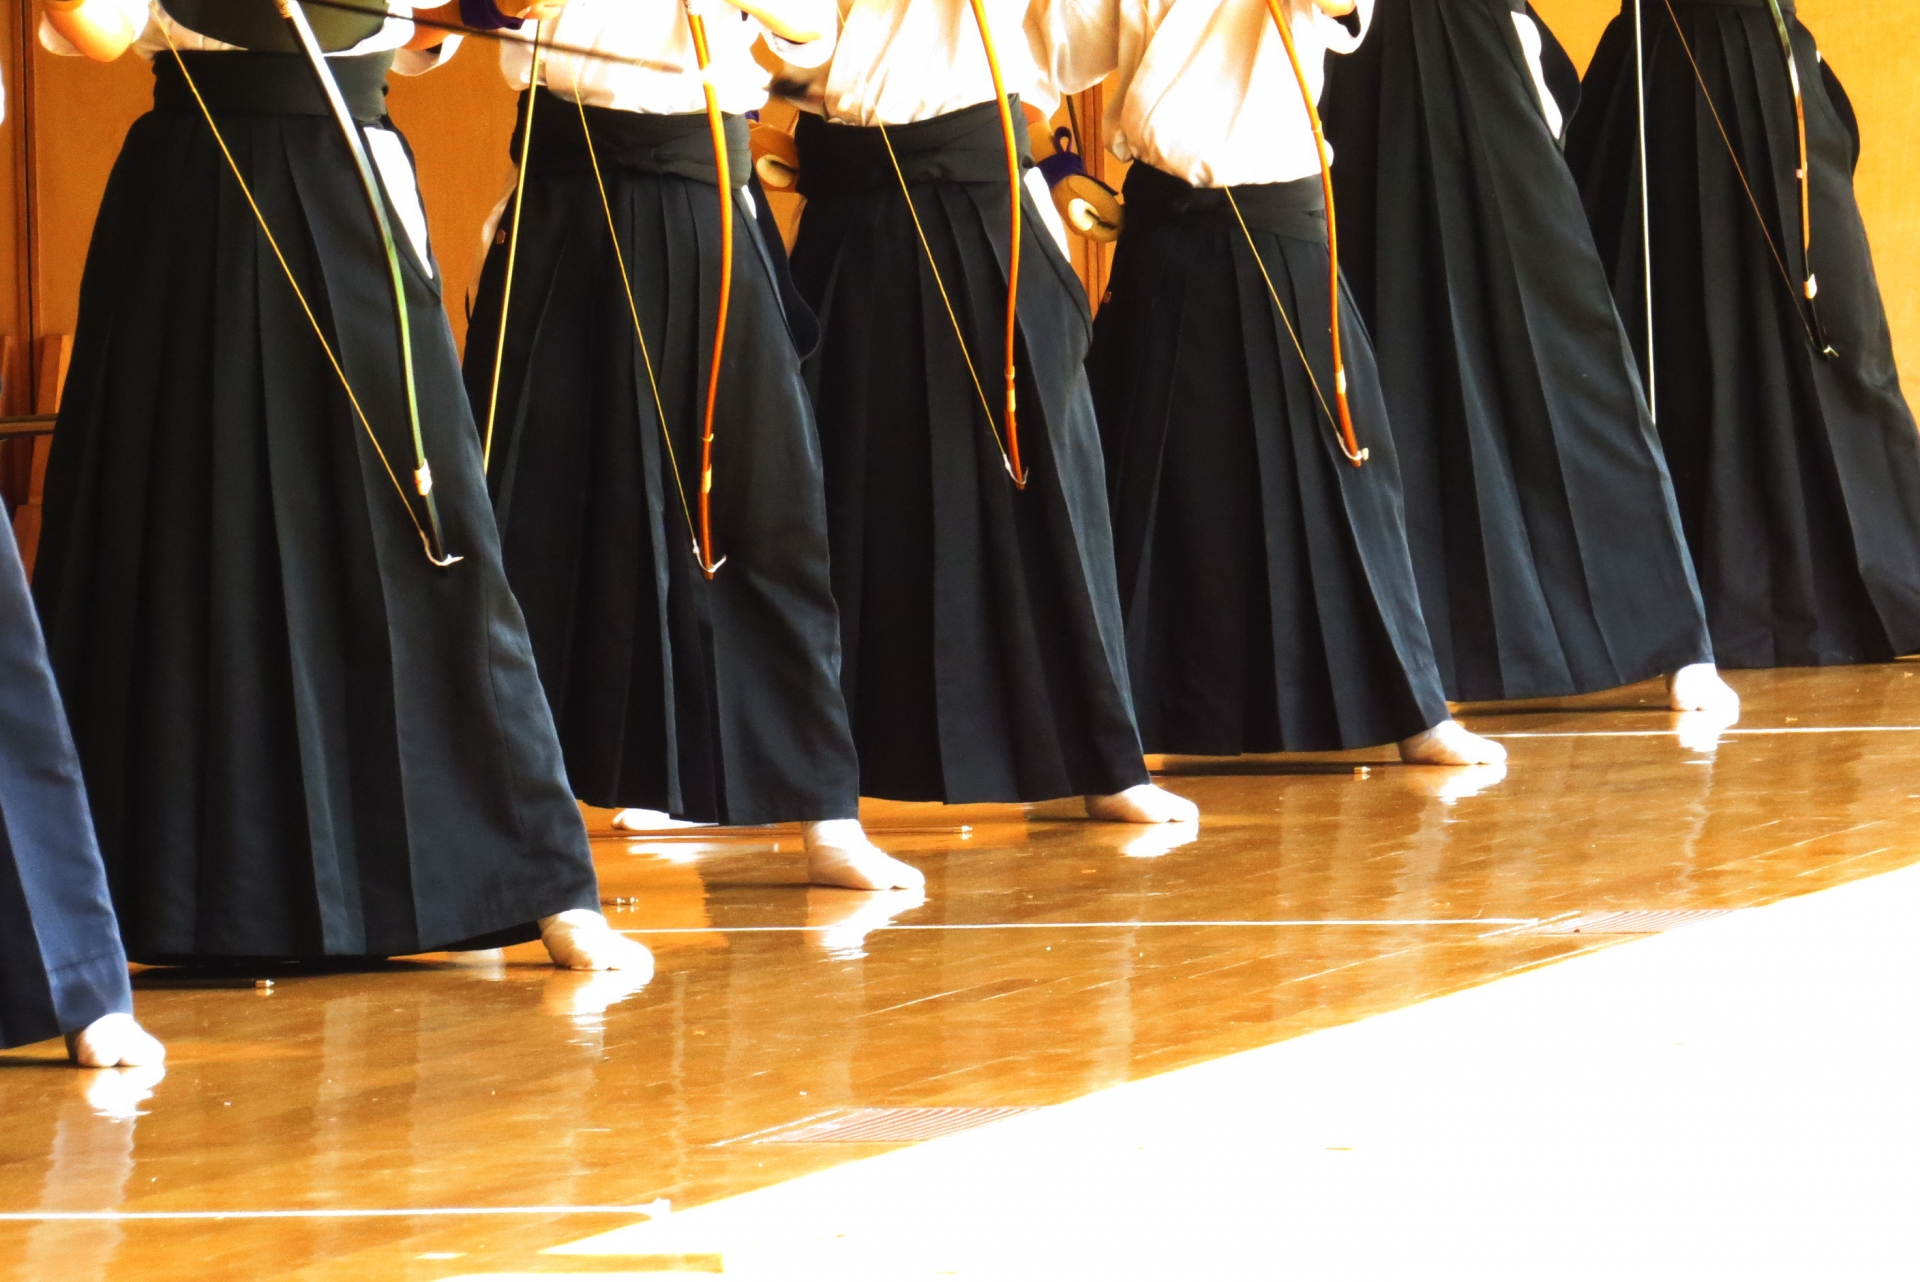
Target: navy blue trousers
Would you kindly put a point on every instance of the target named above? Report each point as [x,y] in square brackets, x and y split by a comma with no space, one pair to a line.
[61,962]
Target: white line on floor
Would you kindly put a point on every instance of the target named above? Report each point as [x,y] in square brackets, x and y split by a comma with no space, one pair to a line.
[1091,925]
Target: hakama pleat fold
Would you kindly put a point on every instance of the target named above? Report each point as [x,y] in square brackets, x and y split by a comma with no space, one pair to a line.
[1797,475]
[1541,519]
[300,737]
[61,963]
[984,658]
[1269,595]
[712,700]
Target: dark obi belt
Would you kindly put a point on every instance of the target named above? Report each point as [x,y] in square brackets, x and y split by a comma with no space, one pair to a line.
[1297,209]
[965,146]
[240,83]
[680,145]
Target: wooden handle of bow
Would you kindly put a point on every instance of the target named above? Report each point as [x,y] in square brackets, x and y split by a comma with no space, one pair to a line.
[717,125]
[1014,188]
[1350,445]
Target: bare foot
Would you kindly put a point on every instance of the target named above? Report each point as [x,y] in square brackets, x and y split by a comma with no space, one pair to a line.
[1144,803]
[581,939]
[839,854]
[1698,687]
[1450,744]
[115,1041]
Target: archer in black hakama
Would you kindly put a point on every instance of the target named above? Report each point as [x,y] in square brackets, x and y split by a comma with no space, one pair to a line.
[300,738]
[1539,513]
[716,701]
[984,658]
[1797,473]
[1270,599]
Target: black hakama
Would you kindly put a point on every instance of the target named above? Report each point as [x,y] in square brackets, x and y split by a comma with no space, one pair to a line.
[300,737]
[1270,599]
[984,655]
[1798,475]
[712,700]
[1539,512]
[61,964]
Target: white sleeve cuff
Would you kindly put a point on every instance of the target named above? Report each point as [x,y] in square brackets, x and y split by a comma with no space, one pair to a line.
[414,62]
[1335,32]
[814,53]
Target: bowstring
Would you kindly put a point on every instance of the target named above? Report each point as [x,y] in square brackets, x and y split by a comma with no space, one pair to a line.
[1733,155]
[1287,320]
[513,251]
[639,333]
[300,296]
[952,317]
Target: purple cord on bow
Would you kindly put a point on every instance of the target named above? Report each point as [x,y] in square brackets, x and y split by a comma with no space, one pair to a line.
[484,15]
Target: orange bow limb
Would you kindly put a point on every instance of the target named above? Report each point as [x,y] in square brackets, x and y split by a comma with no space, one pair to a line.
[1014,188]
[717,125]
[1349,444]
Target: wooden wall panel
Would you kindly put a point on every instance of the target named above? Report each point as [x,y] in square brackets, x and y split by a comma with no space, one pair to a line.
[81,111]
[16,304]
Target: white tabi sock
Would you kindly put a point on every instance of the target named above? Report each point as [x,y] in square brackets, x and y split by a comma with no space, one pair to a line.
[839,854]
[114,1041]
[1698,687]
[1450,744]
[581,939]
[1144,803]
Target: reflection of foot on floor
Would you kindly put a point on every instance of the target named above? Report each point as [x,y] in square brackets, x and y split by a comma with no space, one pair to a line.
[1450,784]
[839,920]
[1700,731]
[1156,840]
[114,1041]
[118,1093]
[580,993]
[637,820]
[581,939]
[1144,803]
[1450,744]
[839,854]
[1698,687]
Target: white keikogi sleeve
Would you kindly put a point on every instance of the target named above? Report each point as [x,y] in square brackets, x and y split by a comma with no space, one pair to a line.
[137,13]
[153,27]
[898,61]
[1075,44]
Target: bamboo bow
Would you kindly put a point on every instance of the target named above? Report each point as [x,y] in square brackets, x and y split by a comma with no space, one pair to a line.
[1014,189]
[1349,444]
[513,247]
[717,126]
[1808,287]
[296,20]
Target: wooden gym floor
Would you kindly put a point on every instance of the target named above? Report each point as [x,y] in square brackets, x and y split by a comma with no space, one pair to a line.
[1319,1107]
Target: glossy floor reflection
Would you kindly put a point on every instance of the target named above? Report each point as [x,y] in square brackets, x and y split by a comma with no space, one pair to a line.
[458,1117]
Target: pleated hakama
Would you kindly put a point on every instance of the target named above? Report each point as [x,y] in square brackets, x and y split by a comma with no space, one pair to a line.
[61,963]
[984,659]
[1269,595]
[1540,515]
[1797,474]
[713,700]
[300,737]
